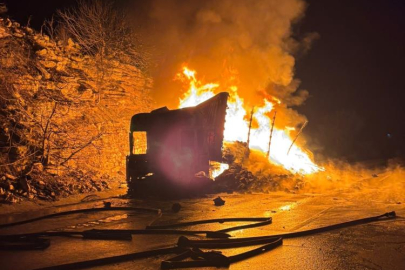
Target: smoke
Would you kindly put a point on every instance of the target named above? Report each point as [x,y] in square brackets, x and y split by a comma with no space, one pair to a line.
[361,181]
[250,44]
[231,42]
[374,182]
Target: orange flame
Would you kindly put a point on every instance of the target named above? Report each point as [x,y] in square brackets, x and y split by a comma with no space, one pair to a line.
[236,127]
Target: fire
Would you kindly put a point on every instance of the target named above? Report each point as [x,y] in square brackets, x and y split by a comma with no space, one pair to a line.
[197,93]
[237,128]
[217,168]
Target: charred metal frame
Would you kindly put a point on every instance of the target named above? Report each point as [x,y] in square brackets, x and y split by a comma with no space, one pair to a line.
[180,143]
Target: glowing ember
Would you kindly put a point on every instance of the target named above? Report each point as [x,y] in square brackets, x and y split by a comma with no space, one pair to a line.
[236,127]
[216,168]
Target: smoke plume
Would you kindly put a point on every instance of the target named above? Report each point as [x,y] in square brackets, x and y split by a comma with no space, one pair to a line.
[231,42]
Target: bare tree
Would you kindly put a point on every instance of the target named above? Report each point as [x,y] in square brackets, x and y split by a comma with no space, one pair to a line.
[36,126]
[50,27]
[102,31]
[98,28]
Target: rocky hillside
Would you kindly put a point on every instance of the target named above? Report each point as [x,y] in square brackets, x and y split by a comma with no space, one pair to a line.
[62,112]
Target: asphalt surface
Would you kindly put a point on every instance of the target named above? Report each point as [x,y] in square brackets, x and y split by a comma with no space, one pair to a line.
[379,245]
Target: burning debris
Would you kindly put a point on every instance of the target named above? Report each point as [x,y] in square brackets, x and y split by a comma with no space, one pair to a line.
[237,178]
[250,171]
[284,151]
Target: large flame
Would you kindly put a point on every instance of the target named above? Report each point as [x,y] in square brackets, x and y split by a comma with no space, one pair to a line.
[295,160]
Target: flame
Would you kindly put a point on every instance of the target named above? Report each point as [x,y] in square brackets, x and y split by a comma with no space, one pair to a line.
[237,128]
[216,168]
[197,93]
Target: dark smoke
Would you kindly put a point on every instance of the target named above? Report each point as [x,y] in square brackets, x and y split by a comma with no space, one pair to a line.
[241,42]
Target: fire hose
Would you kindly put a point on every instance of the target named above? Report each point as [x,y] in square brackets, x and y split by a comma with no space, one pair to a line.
[37,240]
[186,248]
[86,210]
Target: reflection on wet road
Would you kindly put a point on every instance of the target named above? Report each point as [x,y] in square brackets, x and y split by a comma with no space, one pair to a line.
[378,245]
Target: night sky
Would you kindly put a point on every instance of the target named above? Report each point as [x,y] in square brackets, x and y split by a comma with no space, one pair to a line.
[354,74]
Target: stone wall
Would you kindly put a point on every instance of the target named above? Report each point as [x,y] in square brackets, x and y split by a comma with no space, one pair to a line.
[70,111]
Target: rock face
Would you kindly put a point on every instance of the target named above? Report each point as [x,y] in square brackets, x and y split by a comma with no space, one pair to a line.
[67,111]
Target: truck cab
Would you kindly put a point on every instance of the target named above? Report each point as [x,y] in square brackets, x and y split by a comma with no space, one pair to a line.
[174,145]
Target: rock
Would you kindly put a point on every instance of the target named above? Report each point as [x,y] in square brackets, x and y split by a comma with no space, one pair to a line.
[38,167]
[41,41]
[107,204]
[176,207]
[105,184]
[91,197]
[8,23]
[76,58]
[11,177]
[42,52]
[11,187]
[48,64]
[18,35]
[3,33]
[71,46]
[43,196]
[10,198]
[45,73]
[53,171]
[218,201]
[61,67]
[87,94]
[29,30]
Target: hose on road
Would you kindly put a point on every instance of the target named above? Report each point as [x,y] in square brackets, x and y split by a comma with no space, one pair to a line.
[186,248]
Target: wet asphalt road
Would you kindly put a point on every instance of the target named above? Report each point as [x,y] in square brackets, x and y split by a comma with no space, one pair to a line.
[379,245]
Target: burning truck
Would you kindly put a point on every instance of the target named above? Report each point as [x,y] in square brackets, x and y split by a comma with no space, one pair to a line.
[169,147]
[174,148]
